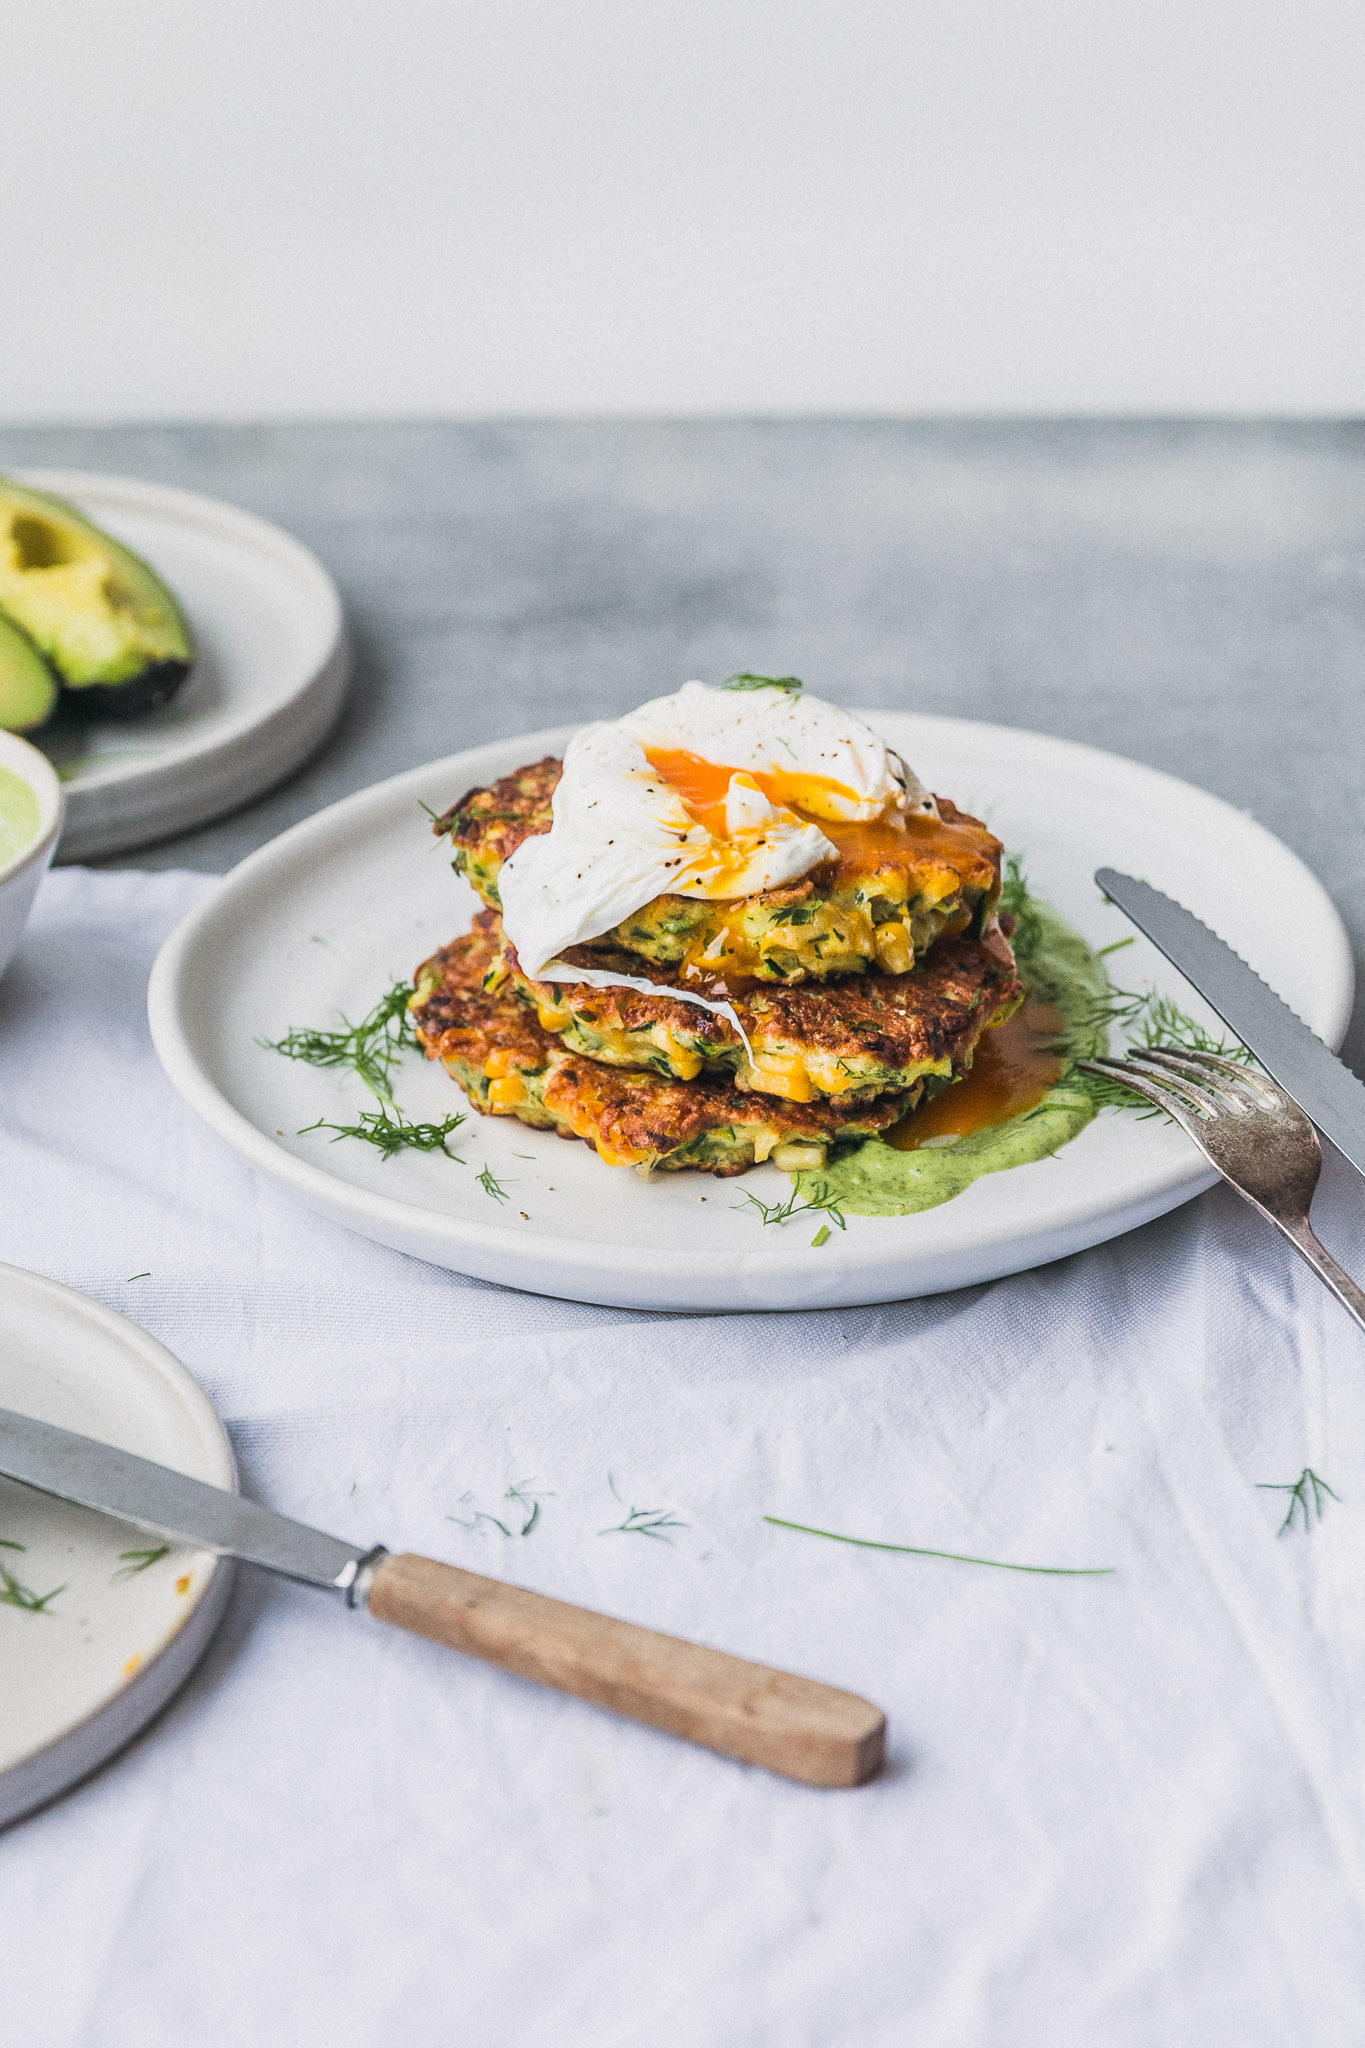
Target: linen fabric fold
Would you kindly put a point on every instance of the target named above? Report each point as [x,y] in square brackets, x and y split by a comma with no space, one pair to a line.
[1123,1809]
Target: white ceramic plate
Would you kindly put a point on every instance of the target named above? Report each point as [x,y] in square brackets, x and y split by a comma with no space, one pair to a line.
[268,679]
[85,1674]
[332,912]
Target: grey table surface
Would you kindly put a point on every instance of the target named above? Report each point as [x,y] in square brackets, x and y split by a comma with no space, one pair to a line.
[1191,594]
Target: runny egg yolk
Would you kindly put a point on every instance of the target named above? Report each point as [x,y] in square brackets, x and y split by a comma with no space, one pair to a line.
[917,837]
[702,785]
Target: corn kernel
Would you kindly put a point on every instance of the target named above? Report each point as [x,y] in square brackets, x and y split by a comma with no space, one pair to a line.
[783,1074]
[894,952]
[502,1060]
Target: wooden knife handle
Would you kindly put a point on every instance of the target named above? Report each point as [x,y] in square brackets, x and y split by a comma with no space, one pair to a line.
[789,1725]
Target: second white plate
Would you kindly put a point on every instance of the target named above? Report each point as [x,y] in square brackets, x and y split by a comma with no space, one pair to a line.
[270,669]
[322,920]
[123,1618]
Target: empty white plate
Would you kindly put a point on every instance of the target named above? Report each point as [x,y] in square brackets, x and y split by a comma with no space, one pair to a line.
[270,669]
[122,1619]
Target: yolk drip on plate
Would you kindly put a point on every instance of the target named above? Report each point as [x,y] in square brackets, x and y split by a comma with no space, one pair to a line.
[1014,1067]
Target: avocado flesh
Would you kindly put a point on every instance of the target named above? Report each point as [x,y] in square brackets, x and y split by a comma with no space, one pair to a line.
[28,688]
[105,621]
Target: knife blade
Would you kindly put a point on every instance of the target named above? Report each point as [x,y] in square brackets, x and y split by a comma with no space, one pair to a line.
[151,1496]
[1290,1053]
[792,1726]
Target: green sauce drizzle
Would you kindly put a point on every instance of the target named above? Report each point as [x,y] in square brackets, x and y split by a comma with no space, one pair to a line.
[1058,967]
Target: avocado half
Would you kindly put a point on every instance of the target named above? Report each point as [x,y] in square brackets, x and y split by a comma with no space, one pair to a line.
[28,688]
[106,622]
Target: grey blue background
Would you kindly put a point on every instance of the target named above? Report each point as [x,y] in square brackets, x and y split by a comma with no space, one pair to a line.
[1189,594]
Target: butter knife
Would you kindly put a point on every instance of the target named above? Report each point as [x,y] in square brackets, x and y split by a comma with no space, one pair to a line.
[1291,1054]
[792,1726]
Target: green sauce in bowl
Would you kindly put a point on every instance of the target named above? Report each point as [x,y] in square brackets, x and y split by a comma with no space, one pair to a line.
[19,816]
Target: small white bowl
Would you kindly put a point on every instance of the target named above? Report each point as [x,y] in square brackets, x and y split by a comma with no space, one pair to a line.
[19,878]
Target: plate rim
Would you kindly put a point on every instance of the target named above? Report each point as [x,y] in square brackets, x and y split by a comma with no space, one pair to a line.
[632,1276]
[118,794]
[42,1775]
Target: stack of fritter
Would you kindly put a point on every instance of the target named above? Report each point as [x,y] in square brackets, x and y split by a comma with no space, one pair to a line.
[856,991]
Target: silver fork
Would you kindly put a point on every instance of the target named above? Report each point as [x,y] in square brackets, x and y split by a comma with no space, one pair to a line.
[1259,1140]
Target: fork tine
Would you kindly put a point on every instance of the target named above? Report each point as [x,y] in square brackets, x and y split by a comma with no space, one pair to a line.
[1207,1100]
[1240,1102]
[1263,1091]
[1159,1092]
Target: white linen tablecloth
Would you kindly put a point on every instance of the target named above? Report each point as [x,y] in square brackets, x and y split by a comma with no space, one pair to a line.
[1121,1811]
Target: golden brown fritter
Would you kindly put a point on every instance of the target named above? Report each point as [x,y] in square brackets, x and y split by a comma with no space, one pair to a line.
[891,894]
[486,826]
[848,1039]
[509,1065]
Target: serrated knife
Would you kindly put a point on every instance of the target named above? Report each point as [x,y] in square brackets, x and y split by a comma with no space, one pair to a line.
[789,1725]
[1291,1054]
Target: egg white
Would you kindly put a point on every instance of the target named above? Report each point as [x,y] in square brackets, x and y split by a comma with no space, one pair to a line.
[621,835]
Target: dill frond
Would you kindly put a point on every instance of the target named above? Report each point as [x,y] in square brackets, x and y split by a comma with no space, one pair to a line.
[372,1048]
[1305,1497]
[13,1593]
[746,680]
[643,1521]
[392,1134]
[1050,1571]
[473,1521]
[1016,902]
[491,1185]
[139,1561]
[1148,1021]
[520,1492]
[820,1202]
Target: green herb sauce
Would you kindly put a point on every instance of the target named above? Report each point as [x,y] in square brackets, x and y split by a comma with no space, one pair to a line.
[19,816]
[1057,966]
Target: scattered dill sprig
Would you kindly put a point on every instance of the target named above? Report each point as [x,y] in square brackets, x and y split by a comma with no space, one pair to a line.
[1115,946]
[1016,902]
[820,1201]
[643,1521]
[138,1276]
[526,1502]
[520,1492]
[746,680]
[1050,1571]
[14,1594]
[139,1561]
[391,1134]
[1305,1497]
[371,1048]
[491,1185]
[473,1521]
[1148,1020]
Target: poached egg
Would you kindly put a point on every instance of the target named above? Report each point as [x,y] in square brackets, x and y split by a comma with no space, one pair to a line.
[705,793]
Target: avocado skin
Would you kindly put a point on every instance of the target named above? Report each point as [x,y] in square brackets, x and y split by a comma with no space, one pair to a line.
[148,690]
[101,617]
[28,688]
